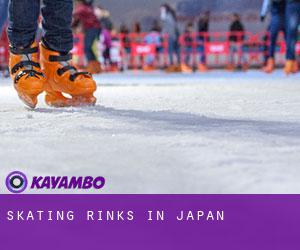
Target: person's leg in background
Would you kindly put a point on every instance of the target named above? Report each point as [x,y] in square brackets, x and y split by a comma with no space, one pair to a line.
[106,57]
[202,67]
[292,23]
[243,58]
[171,49]
[265,47]
[232,54]
[177,52]
[277,24]
[185,67]
[24,67]
[90,35]
[61,75]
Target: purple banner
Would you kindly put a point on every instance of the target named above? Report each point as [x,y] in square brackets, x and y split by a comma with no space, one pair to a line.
[145,222]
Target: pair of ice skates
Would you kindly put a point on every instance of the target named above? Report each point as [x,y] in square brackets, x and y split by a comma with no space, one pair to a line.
[291,67]
[51,72]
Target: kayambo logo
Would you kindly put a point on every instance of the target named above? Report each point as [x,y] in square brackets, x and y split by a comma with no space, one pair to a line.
[16,182]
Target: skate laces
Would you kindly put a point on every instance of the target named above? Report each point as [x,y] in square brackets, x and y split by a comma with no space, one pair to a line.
[66,66]
[26,63]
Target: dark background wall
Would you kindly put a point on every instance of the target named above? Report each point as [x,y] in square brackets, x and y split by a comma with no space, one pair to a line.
[128,11]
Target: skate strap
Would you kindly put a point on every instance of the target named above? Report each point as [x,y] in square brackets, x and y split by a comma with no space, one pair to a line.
[23,64]
[60,58]
[29,73]
[63,70]
[20,51]
[75,75]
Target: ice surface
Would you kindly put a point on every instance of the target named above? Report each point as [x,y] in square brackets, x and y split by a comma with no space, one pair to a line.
[156,133]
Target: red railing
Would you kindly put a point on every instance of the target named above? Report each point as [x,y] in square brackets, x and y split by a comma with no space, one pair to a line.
[4,54]
[150,50]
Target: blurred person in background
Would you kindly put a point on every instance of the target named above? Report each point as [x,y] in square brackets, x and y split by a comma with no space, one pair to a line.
[137,30]
[277,24]
[153,38]
[136,37]
[292,13]
[236,39]
[203,28]
[105,42]
[170,28]
[188,40]
[104,18]
[84,15]
[115,52]
[126,45]
[124,32]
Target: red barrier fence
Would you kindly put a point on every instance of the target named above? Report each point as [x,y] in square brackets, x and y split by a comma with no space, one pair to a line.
[216,49]
[151,50]
[4,54]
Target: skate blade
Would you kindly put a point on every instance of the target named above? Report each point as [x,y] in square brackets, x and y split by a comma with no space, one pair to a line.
[84,101]
[57,100]
[75,101]
[29,101]
[59,104]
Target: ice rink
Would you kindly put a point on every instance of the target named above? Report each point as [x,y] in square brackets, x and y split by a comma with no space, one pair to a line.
[156,133]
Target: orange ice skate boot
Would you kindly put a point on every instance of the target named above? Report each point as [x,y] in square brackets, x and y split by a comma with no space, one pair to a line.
[270,66]
[171,69]
[63,78]
[94,67]
[290,67]
[245,67]
[186,68]
[26,74]
[148,68]
[202,67]
[230,67]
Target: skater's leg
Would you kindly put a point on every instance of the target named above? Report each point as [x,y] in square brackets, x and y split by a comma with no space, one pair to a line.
[61,76]
[3,13]
[24,64]
[23,22]
[57,21]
